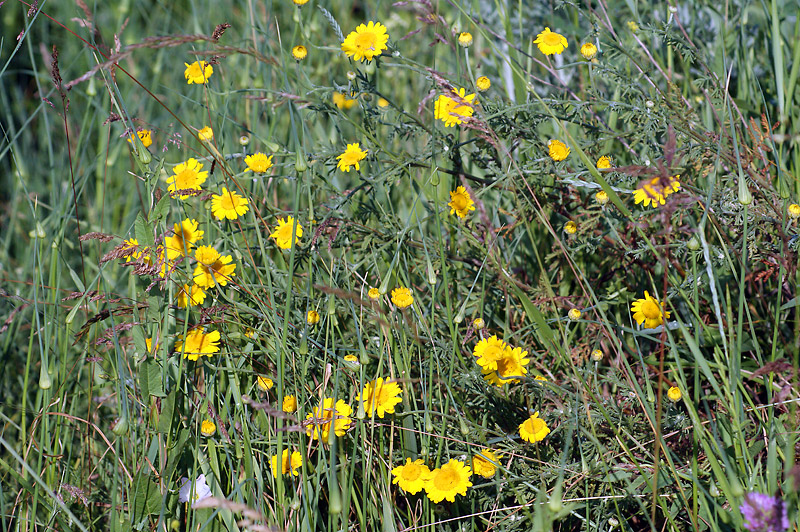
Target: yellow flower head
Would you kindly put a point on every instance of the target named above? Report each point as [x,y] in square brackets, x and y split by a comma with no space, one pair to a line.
[574,314]
[483,83]
[674,394]
[485,463]
[550,42]
[207,428]
[588,51]
[511,364]
[604,162]
[794,211]
[288,463]
[633,26]
[448,481]
[289,404]
[451,108]
[383,102]
[131,244]
[312,318]
[601,197]
[570,227]
[412,476]
[402,297]
[149,345]
[228,204]
[264,383]
[212,268]
[343,102]
[186,234]
[198,72]
[258,162]
[465,39]
[299,52]
[533,429]
[206,134]
[655,191]
[190,296]
[489,351]
[145,135]
[597,355]
[198,343]
[187,176]
[460,202]
[299,3]
[351,157]
[366,42]
[283,233]
[478,323]
[327,416]
[649,311]
[557,150]
[374,293]
[380,396]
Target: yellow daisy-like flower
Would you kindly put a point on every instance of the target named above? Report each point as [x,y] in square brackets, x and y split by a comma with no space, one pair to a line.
[483,83]
[588,51]
[258,162]
[570,227]
[374,293]
[448,481]
[206,134]
[133,244]
[198,343]
[649,311]
[511,364]
[601,197]
[228,204]
[283,233]
[489,351]
[343,102]
[325,416]
[288,463]
[312,318]
[402,297]
[460,202]
[145,135]
[451,110]
[289,404]
[186,234]
[212,267]
[380,396]
[604,162]
[190,296]
[187,176]
[198,72]
[793,211]
[351,157]
[366,42]
[533,429]
[264,383]
[207,428]
[674,394]
[465,39]
[557,150]
[299,52]
[351,359]
[550,42]
[411,476]
[654,191]
[485,463]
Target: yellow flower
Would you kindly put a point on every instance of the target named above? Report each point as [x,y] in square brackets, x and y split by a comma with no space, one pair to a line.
[351,358]
[654,191]
[186,234]
[588,51]
[489,351]
[557,150]
[597,355]
[448,481]
[794,211]
[483,83]
[288,463]
[212,267]
[258,162]
[149,344]
[574,314]
[299,3]
[206,134]
[228,204]
[485,463]
[289,404]
[380,396]
[374,293]
[198,343]
[540,378]
[601,197]
[411,476]
[460,202]
[207,428]
[550,43]
[533,429]
[351,157]
[511,363]
[283,233]
[366,42]
[322,417]
[649,311]
[633,26]
[402,297]
[190,296]
[131,244]
[312,317]
[299,52]
[570,227]
[674,394]
[145,135]
[187,176]
[383,102]
[604,162]
[478,323]
[265,383]
[343,102]
[198,72]
[465,39]
[451,110]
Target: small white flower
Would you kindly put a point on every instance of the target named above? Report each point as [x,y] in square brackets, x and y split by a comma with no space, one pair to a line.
[195,493]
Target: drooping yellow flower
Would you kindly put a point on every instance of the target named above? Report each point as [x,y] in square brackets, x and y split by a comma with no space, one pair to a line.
[186,234]
[540,378]
[343,102]
[588,51]
[206,134]
[351,157]
[557,150]
[465,39]
[258,162]
[228,204]
[533,429]
[374,293]
[655,191]
[288,463]
[411,476]
[187,176]
[451,108]
[604,162]
[326,415]
[649,311]
[550,42]
[207,428]
[601,197]
[198,343]
[190,296]
[460,202]
[489,351]
[366,42]
[674,394]
[289,404]
[212,268]
[380,396]
[264,383]
[402,297]
[299,52]
[312,317]
[483,83]
[448,481]
[198,72]
[511,364]
[283,233]
[485,463]
[145,135]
